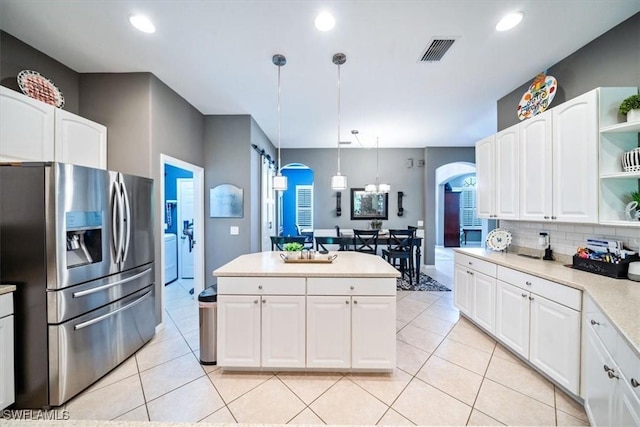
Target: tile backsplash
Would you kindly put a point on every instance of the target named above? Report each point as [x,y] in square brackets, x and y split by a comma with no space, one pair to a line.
[566,238]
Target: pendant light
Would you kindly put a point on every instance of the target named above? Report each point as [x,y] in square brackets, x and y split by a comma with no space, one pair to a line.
[377,187]
[339,181]
[279,181]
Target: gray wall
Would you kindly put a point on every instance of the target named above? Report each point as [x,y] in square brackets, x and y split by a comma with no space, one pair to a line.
[359,166]
[612,59]
[434,158]
[16,56]
[227,161]
[144,119]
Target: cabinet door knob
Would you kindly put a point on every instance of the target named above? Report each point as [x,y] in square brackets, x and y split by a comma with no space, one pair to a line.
[264,301]
[546,217]
[346,302]
[554,217]
[612,374]
[255,301]
[355,301]
[527,283]
[531,298]
[470,272]
[524,295]
[634,383]
[352,287]
[607,369]
[470,263]
[593,322]
[259,286]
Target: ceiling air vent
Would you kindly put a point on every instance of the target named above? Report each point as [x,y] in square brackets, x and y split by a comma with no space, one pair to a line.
[437,49]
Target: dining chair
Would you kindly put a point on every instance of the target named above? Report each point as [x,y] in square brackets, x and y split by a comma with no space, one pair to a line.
[366,241]
[278,242]
[342,242]
[399,253]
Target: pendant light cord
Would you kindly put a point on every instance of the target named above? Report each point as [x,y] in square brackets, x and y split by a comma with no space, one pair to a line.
[279,66]
[338,119]
[377,160]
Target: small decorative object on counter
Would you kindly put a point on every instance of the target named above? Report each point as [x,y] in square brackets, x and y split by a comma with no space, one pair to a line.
[294,250]
[631,108]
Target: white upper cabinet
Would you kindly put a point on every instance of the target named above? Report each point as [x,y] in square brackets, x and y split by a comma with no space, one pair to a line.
[497,175]
[535,168]
[26,128]
[31,130]
[80,141]
[575,159]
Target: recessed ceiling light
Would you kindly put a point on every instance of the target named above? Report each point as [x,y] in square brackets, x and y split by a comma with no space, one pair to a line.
[142,23]
[510,21]
[325,21]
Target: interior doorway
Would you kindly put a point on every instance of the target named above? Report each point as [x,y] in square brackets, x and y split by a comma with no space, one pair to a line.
[192,212]
[297,202]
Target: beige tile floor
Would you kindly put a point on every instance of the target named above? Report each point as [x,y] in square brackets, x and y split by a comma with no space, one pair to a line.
[448,373]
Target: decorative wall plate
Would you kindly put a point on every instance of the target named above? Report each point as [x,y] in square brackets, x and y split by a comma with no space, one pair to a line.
[36,86]
[538,97]
[498,239]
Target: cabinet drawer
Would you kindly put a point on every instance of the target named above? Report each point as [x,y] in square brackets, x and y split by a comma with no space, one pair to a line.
[261,285]
[6,304]
[561,294]
[596,321]
[476,264]
[351,286]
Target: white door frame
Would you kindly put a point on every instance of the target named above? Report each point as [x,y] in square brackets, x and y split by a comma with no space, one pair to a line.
[180,227]
[198,225]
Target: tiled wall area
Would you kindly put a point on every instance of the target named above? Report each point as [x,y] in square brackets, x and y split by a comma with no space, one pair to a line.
[565,238]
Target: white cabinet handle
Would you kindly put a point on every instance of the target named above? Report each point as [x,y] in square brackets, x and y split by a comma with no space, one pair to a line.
[355,301]
[607,369]
[612,374]
[546,217]
[470,263]
[255,301]
[470,272]
[524,295]
[527,283]
[593,322]
[531,298]
[346,302]
[264,301]
[352,287]
[259,286]
[634,383]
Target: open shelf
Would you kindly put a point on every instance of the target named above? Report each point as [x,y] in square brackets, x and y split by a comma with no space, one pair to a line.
[622,127]
[621,175]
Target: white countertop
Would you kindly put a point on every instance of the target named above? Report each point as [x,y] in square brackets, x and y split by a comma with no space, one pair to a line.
[5,289]
[347,264]
[619,299]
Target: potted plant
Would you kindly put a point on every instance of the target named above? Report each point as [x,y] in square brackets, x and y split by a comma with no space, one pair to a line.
[376,224]
[631,108]
[631,211]
[294,250]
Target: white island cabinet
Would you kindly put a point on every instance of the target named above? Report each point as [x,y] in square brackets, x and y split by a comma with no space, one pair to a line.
[339,316]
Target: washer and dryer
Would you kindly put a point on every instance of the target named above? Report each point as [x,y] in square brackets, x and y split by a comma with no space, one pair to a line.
[170,257]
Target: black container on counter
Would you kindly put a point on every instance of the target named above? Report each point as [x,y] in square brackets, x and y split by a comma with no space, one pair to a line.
[617,271]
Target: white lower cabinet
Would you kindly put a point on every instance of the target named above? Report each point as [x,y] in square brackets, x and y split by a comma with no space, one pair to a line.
[610,390]
[512,317]
[475,290]
[351,332]
[7,384]
[267,331]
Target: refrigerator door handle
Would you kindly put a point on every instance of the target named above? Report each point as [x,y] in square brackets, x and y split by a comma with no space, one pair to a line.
[115,210]
[126,222]
[111,314]
[110,285]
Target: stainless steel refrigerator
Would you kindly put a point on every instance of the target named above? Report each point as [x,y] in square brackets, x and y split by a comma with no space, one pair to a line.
[78,243]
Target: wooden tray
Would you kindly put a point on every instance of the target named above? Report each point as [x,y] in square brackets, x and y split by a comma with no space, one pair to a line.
[324,260]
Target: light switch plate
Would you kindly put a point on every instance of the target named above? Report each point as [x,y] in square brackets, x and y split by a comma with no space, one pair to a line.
[234,230]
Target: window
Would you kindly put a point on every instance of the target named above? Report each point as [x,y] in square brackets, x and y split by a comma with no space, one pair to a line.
[304,206]
[468,217]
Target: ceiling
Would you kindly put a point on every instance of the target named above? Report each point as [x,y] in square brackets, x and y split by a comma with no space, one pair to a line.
[217,55]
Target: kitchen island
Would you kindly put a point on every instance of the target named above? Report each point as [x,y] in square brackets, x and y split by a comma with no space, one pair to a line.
[338,316]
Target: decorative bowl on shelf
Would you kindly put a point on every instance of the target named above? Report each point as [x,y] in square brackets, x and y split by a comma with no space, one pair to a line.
[631,160]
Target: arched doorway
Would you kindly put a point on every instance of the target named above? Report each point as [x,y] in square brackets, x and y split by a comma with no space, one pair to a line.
[296,204]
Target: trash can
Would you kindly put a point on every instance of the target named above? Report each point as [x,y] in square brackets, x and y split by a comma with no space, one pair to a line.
[208,309]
